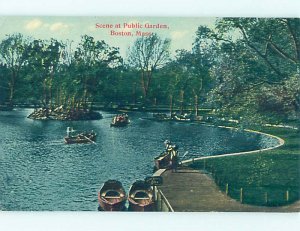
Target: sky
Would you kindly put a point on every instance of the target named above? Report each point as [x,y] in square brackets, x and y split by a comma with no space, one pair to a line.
[181,30]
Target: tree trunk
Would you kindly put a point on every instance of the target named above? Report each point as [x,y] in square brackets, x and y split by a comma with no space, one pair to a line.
[50,94]
[134,93]
[181,101]
[196,105]
[143,84]
[146,81]
[171,105]
[85,94]
[12,88]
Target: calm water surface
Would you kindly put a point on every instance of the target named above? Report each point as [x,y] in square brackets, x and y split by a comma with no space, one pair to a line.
[39,172]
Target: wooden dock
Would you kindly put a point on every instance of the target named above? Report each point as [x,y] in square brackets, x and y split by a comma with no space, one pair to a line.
[189,190]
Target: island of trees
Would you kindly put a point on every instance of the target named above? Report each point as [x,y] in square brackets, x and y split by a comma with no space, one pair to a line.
[243,69]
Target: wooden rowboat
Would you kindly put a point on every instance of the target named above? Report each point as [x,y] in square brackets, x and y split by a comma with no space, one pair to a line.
[163,160]
[112,196]
[81,138]
[167,159]
[140,197]
[161,117]
[182,118]
[120,121]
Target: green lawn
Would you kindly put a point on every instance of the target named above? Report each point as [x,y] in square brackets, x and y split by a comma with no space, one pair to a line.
[270,178]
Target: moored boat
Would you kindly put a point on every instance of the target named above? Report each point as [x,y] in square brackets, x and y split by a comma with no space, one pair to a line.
[120,121]
[182,117]
[81,138]
[161,117]
[166,158]
[163,160]
[140,197]
[112,196]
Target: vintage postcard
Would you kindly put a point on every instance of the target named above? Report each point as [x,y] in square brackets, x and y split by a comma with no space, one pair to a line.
[172,114]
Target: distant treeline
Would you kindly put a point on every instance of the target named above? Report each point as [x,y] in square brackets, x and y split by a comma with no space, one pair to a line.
[245,68]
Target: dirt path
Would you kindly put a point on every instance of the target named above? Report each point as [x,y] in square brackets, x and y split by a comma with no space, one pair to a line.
[191,190]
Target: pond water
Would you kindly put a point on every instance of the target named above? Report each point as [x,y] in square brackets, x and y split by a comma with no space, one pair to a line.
[39,172]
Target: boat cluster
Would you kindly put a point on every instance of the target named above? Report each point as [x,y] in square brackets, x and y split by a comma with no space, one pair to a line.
[176,117]
[122,120]
[90,137]
[112,197]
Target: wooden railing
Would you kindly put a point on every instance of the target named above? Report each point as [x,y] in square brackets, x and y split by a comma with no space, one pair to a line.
[161,202]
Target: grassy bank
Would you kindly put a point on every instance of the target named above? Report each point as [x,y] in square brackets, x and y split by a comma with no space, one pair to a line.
[270,178]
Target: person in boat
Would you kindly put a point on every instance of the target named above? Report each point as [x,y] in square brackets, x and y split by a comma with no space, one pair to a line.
[119,118]
[69,131]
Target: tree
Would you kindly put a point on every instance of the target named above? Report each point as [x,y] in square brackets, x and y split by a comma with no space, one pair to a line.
[3,83]
[13,57]
[276,42]
[44,60]
[257,60]
[93,61]
[147,55]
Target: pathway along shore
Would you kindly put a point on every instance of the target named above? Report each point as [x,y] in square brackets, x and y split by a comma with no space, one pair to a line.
[189,190]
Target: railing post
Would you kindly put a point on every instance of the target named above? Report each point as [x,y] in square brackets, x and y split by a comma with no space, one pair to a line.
[161,203]
[241,195]
[226,190]
[155,196]
[287,196]
[266,197]
[158,201]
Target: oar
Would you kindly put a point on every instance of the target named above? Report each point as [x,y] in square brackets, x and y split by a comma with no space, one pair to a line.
[89,139]
[184,154]
[181,159]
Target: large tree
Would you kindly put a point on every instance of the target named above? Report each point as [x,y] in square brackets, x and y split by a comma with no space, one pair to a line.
[44,61]
[147,55]
[257,61]
[275,42]
[13,57]
[94,61]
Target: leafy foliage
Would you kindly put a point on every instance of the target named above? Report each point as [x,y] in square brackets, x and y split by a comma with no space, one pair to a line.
[244,68]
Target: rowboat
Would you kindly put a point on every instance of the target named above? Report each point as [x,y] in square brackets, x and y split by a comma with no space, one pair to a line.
[182,118]
[140,197]
[163,160]
[112,196]
[168,158]
[120,120]
[81,138]
[161,117]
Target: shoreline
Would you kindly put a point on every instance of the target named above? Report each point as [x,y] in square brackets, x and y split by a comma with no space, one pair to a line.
[280,140]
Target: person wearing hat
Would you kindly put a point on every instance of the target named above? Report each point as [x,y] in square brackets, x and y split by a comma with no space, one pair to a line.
[168,145]
[172,149]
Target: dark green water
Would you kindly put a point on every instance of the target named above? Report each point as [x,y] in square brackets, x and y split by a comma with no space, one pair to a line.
[39,172]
